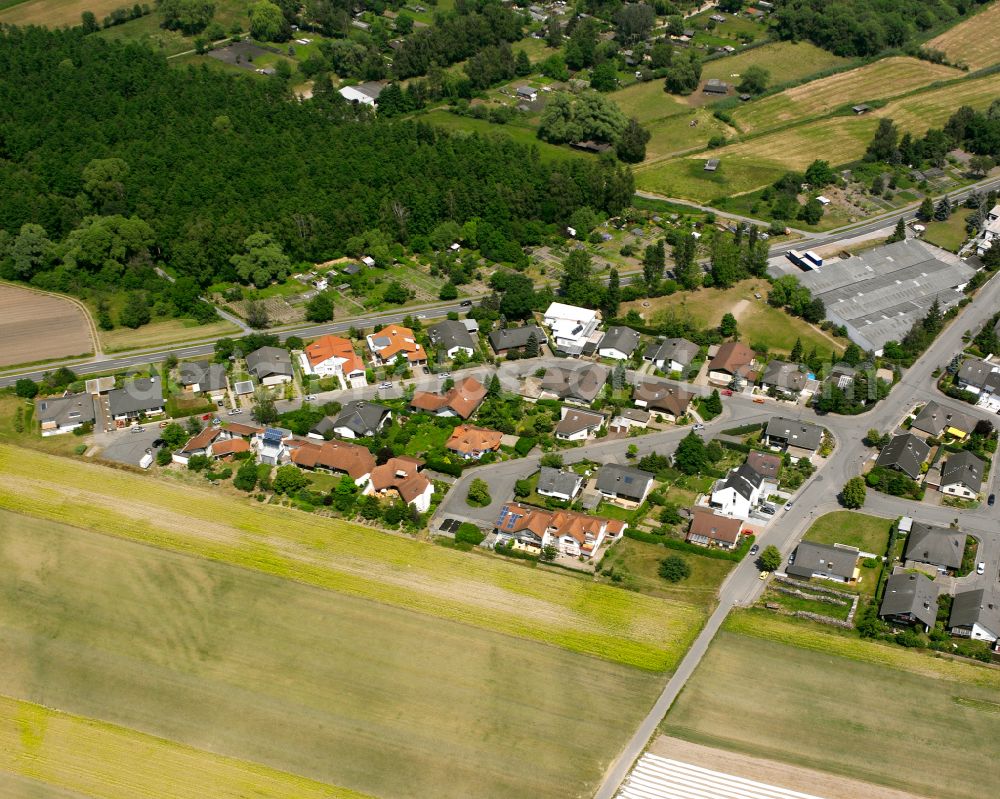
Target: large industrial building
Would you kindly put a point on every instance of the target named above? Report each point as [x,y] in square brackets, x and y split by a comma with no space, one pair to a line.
[879,294]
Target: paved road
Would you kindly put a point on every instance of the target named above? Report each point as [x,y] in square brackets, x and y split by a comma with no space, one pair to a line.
[194,349]
[818,496]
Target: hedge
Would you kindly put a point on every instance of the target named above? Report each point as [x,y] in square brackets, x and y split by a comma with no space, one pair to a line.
[743,430]
[684,546]
[443,466]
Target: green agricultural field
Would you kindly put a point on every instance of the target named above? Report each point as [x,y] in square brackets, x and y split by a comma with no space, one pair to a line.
[331,688]
[522,134]
[867,533]
[47,753]
[786,61]
[880,80]
[854,716]
[758,322]
[647,101]
[973,41]
[916,113]
[481,591]
[146,30]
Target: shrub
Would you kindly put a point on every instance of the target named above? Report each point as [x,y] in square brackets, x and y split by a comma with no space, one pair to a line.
[674,568]
[479,494]
[468,533]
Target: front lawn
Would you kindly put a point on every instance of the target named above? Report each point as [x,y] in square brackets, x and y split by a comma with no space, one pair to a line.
[867,533]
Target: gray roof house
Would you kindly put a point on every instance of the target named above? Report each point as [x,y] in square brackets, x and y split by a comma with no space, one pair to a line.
[785,377]
[934,419]
[559,484]
[62,414]
[624,482]
[910,597]
[798,438]
[976,614]
[939,546]
[577,424]
[962,475]
[672,354]
[510,338]
[618,343]
[979,376]
[451,336]
[581,385]
[203,376]
[905,453]
[142,396]
[715,86]
[360,419]
[836,562]
[270,365]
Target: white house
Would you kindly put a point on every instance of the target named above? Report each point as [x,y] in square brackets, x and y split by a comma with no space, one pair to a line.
[576,424]
[737,495]
[618,343]
[559,484]
[571,327]
[976,615]
[332,356]
[990,232]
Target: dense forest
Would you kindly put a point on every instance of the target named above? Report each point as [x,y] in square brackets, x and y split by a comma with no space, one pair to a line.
[122,160]
[863,27]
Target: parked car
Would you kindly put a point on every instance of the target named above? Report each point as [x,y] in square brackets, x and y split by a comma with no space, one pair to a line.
[220,403]
[763,575]
[137,428]
[699,426]
[767,510]
[727,392]
[384,386]
[206,417]
[981,567]
[466,303]
[216,422]
[754,550]
[159,443]
[759,400]
[235,411]
[992,499]
[163,424]
[788,505]
[444,375]
[311,398]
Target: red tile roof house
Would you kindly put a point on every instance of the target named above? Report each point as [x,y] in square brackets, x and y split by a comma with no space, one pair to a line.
[575,534]
[334,456]
[667,401]
[473,442]
[401,476]
[462,400]
[707,529]
[200,444]
[734,358]
[332,356]
[387,344]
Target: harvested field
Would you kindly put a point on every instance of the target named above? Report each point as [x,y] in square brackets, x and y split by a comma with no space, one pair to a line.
[973,41]
[38,327]
[881,80]
[771,771]
[56,13]
[752,164]
[479,590]
[786,61]
[331,688]
[845,716]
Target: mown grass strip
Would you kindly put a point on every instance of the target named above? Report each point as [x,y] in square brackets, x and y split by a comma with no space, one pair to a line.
[94,758]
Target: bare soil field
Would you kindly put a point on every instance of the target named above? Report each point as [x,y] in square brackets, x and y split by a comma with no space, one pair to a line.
[38,327]
[771,771]
[974,41]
